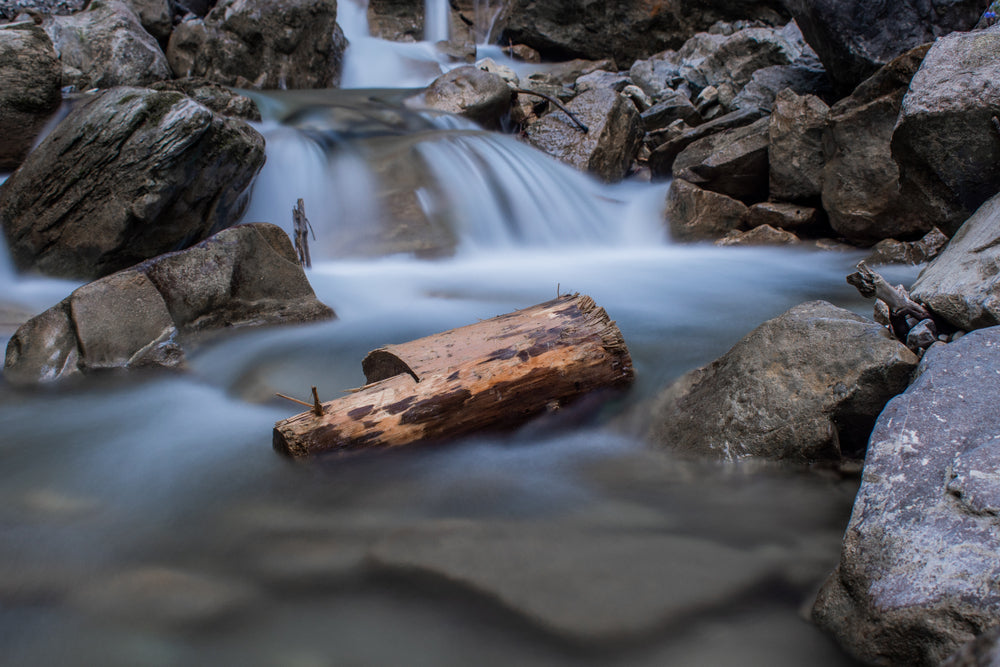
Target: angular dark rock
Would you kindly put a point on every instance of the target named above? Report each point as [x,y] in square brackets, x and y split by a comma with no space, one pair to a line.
[862,193]
[262,44]
[106,46]
[670,107]
[805,386]
[661,160]
[733,162]
[30,79]
[608,149]
[129,175]
[609,29]
[695,214]
[854,38]
[962,284]
[891,251]
[947,141]
[244,276]
[218,98]
[760,235]
[790,217]
[918,570]
[766,84]
[796,156]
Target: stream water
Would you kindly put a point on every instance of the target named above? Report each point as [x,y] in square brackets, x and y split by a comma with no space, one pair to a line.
[146,520]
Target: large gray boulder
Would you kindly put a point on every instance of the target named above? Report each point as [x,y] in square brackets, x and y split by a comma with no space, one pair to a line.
[608,149]
[945,141]
[805,386]
[861,181]
[473,93]
[247,275]
[262,44]
[795,152]
[561,29]
[106,46]
[854,38]
[733,163]
[129,175]
[919,569]
[962,284]
[30,79]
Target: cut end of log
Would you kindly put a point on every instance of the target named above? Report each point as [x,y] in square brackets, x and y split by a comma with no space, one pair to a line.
[496,373]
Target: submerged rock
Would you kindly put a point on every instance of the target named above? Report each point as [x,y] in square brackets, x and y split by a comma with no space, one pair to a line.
[129,175]
[244,276]
[608,149]
[30,79]
[106,46]
[918,571]
[962,284]
[262,44]
[854,38]
[635,582]
[805,386]
[947,141]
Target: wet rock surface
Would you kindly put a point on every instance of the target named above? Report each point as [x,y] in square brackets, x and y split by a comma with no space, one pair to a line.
[129,175]
[106,46]
[733,163]
[30,81]
[962,284]
[800,387]
[696,214]
[608,30]
[861,181]
[471,92]
[260,44]
[244,276]
[609,146]
[945,140]
[854,38]
[795,151]
[918,566]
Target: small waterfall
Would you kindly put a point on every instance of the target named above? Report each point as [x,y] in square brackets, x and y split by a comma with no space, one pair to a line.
[499,192]
[486,16]
[436,20]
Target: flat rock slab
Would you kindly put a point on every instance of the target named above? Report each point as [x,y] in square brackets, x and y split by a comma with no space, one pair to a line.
[575,582]
[918,571]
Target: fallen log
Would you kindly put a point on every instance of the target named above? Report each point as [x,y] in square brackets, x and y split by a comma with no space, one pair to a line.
[495,373]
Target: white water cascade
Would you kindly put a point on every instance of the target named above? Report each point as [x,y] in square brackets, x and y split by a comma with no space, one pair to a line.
[145,519]
[436,20]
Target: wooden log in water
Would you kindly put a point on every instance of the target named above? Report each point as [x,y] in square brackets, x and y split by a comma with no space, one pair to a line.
[495,373]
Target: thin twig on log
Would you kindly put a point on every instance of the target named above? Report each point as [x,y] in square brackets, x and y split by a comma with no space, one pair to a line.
[302,227]
[317,406]
[293,400]
[579,123]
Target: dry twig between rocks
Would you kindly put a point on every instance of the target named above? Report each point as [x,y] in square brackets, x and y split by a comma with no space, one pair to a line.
[562,107]
[909,321]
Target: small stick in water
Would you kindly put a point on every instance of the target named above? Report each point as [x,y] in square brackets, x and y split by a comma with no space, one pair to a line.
[301,228]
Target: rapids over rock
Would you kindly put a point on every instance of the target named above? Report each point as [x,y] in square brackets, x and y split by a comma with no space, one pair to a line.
[146,519]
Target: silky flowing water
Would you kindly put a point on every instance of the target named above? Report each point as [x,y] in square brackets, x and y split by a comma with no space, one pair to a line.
[145,519]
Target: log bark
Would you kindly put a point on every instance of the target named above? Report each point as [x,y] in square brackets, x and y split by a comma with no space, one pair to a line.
[492,374]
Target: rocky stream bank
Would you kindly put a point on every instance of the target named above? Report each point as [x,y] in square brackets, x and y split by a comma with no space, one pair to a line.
[133,142]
